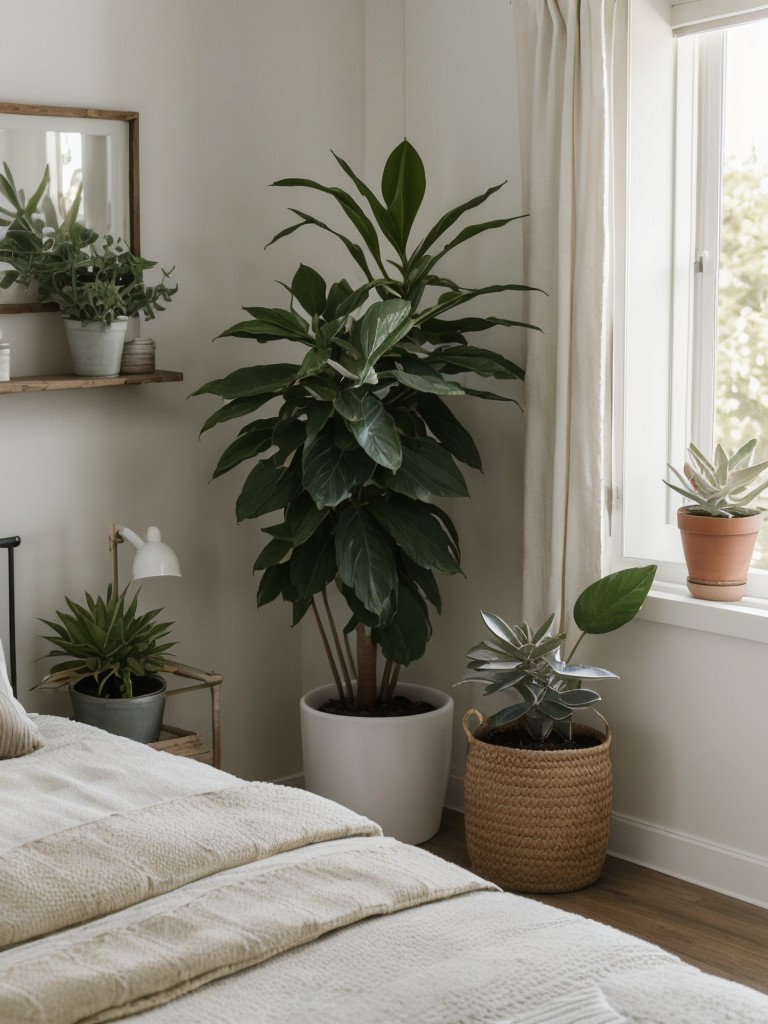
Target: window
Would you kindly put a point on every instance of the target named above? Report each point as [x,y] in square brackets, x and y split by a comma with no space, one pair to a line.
[692,300]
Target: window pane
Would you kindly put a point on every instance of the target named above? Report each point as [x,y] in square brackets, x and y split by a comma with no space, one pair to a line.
[742,345]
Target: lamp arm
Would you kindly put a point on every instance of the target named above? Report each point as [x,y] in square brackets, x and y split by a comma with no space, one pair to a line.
[117,534]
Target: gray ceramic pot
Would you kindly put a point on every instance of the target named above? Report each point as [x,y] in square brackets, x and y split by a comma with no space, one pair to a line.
[139,717]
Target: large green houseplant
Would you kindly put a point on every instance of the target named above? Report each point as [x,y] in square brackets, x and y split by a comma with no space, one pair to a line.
[720,523]
[112,655]
[537,786]
[359,440]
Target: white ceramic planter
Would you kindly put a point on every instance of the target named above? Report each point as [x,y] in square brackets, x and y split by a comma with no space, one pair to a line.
[392,770]
[95,348]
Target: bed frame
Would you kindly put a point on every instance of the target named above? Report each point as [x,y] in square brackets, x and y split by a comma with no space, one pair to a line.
[9,543]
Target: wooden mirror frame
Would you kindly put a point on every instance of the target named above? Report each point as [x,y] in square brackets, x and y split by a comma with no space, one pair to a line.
[131,118]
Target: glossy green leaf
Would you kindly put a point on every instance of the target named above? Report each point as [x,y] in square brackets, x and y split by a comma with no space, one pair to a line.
[427,470]
[373,429]
[313,563]
[478,360]
[330,473]
[309,288]
[271,379]
[403,185]
[272,583]
[416,531]
[354,250]
[351,208]
[366,559]
[426,379]
[404,638]
[247,445]
[447,429]
[383,325]
[381,214]
[266,489]
[303,517]
[449,219]
[234,409]
[613,600]
[272,553]
[269,325]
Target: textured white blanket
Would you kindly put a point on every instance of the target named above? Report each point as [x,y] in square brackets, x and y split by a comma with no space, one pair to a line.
[474,958]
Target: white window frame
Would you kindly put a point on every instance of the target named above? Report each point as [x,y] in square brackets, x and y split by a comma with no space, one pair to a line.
[658,123]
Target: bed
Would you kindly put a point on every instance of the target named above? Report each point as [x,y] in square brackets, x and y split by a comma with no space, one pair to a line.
[142,886]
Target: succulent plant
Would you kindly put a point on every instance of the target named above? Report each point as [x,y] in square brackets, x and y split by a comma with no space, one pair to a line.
[723,488]
[107,640]
[527,663]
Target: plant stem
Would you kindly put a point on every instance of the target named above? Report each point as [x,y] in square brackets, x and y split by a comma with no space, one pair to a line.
[339,649]
[328,652]
[393,682]
[366,669]
[573,649]
[350,656]
[385,677]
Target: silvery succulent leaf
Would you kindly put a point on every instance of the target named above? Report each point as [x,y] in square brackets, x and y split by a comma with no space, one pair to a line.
[578,698]
[555,710]
[499,627]
[488,651]
[510,714]
[578,671]
[543,629]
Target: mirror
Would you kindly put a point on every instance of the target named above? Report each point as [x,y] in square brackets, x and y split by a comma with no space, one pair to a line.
[99,148]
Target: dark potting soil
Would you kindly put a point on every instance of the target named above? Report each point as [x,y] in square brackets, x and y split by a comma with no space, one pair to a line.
[522,741]
[142,686]
[395,708]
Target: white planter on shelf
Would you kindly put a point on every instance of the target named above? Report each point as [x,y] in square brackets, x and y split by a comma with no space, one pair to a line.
[95,348]
[392,770]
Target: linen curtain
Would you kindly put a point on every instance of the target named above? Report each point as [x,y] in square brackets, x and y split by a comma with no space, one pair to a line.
[564,61]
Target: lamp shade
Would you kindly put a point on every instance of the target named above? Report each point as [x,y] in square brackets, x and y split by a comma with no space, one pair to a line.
[153,557]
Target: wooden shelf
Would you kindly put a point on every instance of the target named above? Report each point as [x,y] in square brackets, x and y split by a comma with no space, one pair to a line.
[66,381]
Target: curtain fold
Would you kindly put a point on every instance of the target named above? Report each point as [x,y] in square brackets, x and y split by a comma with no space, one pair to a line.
[564,50]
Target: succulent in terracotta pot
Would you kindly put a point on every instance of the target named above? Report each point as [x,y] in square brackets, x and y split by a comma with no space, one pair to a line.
[720,524]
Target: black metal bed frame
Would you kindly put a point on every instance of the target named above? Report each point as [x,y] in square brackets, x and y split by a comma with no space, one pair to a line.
[9,543]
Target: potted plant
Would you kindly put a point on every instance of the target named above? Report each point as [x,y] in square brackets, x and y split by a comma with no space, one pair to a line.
[112,655]
[354,454]
[26,226]
[97,283]
[537,786]
[719,527]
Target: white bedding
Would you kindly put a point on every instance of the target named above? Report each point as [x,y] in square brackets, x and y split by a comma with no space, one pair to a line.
[349,926]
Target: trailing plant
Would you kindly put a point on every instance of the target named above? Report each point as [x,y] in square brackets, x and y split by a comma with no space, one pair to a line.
[98,281]
[723,488]
[526,663]
[109,640]
[362,441]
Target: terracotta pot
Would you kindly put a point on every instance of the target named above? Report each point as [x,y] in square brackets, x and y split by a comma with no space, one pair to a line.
[718,553]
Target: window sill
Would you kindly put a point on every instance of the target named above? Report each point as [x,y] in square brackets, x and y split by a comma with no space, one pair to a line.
[672,605]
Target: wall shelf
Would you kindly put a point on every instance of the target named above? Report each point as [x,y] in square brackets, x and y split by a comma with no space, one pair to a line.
[67,381]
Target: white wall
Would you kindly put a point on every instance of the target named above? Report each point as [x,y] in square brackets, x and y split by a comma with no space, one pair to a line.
[231,95]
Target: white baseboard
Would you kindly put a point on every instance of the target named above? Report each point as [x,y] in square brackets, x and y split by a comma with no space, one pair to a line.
[725,869]
[454,798]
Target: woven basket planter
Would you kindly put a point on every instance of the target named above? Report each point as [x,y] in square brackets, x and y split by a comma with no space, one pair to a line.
[537,820]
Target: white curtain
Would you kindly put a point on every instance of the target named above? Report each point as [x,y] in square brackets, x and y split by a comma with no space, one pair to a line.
[564,49]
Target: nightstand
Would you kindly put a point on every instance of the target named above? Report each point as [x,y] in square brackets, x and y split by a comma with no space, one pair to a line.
[182,742]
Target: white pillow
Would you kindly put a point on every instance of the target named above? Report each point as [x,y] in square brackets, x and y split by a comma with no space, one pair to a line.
[18,733]
[5,682]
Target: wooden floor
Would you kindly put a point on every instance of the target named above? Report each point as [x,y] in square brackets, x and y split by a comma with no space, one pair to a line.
[717,933]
